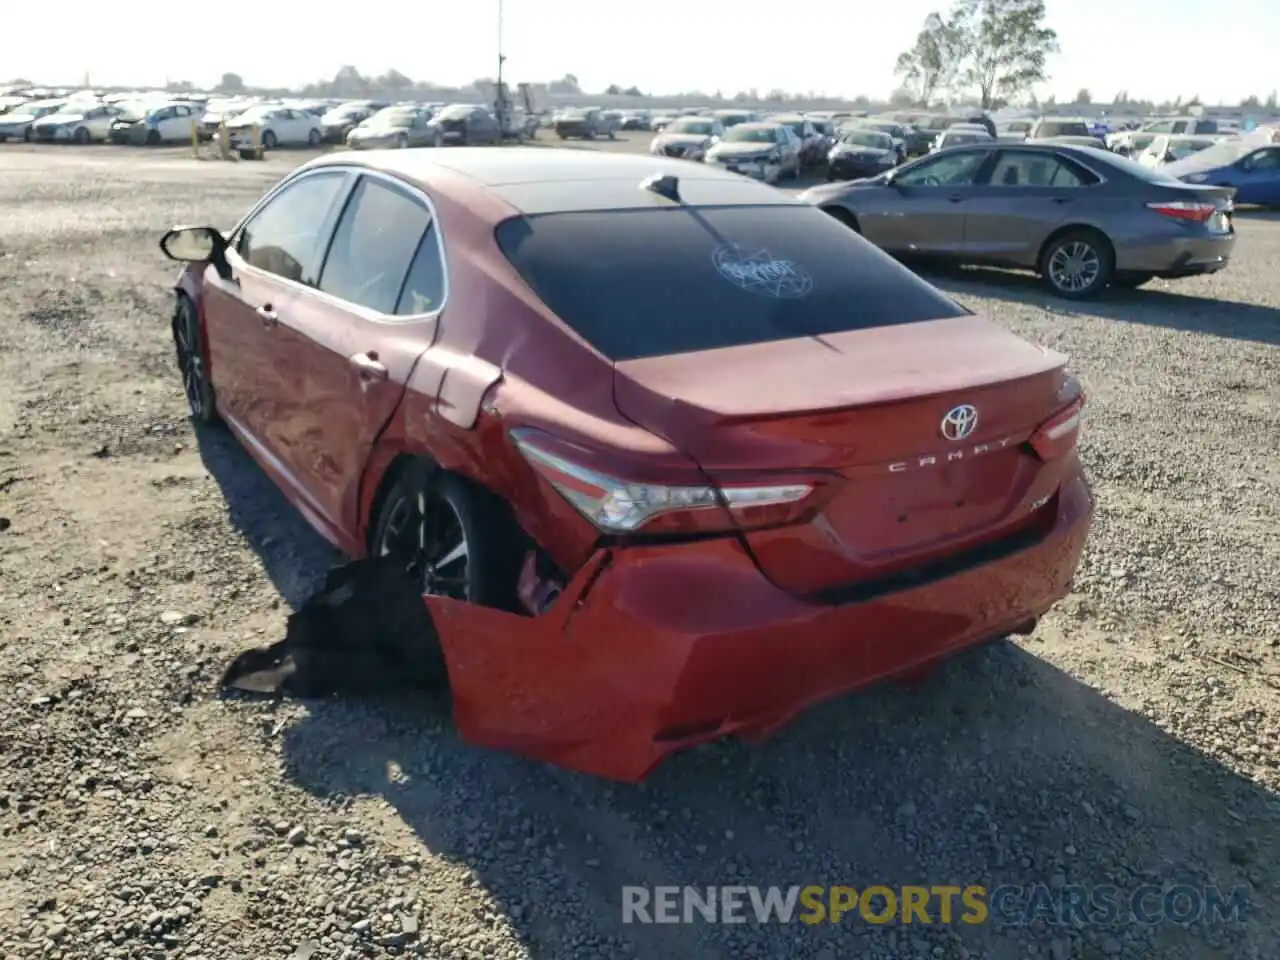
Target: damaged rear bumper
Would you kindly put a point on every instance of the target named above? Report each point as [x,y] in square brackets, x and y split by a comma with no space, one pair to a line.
[651,650]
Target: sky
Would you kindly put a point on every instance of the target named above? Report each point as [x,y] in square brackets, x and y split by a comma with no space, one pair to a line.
[1154,49]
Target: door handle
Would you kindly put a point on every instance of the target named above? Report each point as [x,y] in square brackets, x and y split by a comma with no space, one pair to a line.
[367,366]
[1061,200]
[268,315]
[955,199]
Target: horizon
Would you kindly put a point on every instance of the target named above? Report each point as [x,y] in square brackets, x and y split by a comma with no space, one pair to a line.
[607,42]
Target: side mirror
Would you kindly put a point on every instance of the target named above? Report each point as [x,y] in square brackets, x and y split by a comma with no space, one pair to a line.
[197,245]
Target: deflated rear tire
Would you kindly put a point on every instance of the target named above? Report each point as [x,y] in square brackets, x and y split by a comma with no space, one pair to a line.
[456,538]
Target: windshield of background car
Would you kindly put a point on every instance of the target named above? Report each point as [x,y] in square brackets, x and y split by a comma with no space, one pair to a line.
[131,111]
[454,113]
[683,279]
[700,127]
[868,138]
[750,135]
[958,138]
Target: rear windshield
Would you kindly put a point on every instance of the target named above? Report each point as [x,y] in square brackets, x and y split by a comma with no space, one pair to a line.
[653,282]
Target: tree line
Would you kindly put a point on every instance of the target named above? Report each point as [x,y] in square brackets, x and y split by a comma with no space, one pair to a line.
[995,52]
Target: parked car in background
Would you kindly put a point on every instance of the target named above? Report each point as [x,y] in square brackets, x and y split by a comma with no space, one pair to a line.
[688,137]
[766,151]
[154,124]
[1249,167]
[659,120]
[1166,149]
[1082,218]
[464,125]
[571,413]
[957,136]
[276,127]
[393,127]
[1170,125]
[860,153]
[635,120]
[1046,127]
[17,123]
[77,122]
[813,143]
[585,123]
[216,111]
[899,133]
[1071,141]
[1131,146]
[1014,131]
[732,117]
[342,119]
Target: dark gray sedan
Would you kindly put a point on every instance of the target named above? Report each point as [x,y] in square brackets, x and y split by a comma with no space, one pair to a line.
[1082,218]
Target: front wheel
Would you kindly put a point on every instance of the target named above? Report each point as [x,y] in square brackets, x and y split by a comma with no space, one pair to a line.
[191,366]
[313,139]
[81,136]
[268,140]
[437,139]
[1078,265]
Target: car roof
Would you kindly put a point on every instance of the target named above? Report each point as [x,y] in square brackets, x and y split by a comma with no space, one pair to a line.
[535,180]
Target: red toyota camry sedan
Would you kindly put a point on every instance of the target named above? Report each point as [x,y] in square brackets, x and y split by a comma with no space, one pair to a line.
[675,455]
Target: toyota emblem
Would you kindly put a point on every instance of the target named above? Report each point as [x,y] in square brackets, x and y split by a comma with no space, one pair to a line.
[960,422]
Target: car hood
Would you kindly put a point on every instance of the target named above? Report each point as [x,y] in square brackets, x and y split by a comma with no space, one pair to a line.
[338,119]
[742,149]
[57,119]
[680,139]
[17,118]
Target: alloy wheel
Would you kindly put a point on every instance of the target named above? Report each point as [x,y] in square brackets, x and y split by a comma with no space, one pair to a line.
[427,530]
[190,364]
[1074,266]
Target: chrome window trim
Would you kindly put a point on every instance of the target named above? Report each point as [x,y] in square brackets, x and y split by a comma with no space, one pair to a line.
[356,171]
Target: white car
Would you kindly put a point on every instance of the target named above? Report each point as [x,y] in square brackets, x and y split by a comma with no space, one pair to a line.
[277,127]
[77,123]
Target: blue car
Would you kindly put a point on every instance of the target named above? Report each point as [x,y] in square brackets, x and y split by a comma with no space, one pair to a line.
[1252,167]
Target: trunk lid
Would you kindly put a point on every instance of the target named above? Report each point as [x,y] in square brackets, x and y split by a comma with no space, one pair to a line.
[865,407]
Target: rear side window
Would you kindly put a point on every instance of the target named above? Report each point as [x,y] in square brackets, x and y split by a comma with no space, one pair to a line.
[652,282]
[375,242]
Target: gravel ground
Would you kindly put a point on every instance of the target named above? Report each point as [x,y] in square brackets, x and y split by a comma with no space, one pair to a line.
[1133,739]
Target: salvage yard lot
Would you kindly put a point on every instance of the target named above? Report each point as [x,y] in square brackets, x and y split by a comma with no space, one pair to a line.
[1133,739]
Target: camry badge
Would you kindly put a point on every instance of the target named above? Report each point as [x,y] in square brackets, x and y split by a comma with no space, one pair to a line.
[960,422]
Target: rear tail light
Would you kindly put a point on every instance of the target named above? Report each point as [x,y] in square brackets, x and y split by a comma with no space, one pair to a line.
[618,506]
[1058,435]
[1195,211]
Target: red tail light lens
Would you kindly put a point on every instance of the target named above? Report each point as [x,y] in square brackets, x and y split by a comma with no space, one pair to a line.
[1057,436]
[618,506]
[1194,211]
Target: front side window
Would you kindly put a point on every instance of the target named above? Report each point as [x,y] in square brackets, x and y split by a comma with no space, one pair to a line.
[284,237]
[950,170]
[373,245]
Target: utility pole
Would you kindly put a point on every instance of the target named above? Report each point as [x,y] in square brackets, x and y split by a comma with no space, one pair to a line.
[502,96]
